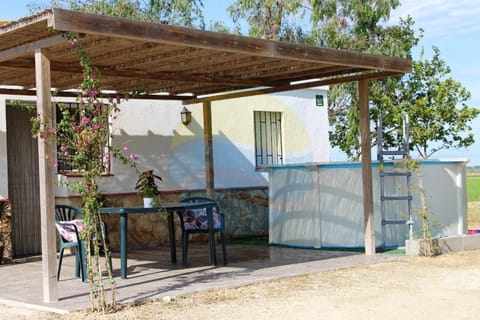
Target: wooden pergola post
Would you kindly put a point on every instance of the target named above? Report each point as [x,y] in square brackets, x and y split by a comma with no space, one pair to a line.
[366,167]
[46,177]
[208,143]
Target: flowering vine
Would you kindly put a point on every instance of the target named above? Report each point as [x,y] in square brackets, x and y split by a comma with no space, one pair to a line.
[83,137]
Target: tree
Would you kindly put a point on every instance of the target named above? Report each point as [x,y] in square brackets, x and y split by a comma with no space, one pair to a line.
[359,26]
[186,13]
[436,105]
[118,8]
[269,19]
[427,95]
[351,24]
[176,12]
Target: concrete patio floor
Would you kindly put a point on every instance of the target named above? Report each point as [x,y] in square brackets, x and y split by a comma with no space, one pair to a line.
[151,275]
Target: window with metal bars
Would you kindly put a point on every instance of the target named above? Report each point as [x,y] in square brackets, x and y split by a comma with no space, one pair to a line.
[268,138]
[65,164]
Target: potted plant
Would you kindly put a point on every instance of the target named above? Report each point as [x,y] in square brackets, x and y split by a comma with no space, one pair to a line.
[4,209]
[147,187]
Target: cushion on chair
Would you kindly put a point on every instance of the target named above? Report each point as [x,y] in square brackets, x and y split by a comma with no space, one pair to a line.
[68,231]
[196,219]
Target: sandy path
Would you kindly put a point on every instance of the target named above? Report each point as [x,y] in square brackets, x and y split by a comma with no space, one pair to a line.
[445,287]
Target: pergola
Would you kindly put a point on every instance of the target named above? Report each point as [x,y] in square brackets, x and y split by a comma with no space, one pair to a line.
[170,62]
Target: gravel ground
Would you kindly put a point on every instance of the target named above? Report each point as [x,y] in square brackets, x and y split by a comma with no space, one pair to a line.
[443,287]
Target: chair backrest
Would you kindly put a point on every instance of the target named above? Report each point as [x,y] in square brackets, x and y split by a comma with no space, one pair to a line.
[67,213]
[201,199]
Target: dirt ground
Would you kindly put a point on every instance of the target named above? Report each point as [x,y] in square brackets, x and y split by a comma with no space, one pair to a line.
[444,287]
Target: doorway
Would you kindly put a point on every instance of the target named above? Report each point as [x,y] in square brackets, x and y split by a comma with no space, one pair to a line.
[23,181]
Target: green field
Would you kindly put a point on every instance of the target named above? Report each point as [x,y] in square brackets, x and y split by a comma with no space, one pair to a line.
[473,187]
[473,195]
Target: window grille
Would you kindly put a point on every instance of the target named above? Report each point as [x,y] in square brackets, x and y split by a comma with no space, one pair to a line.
[65,164]
[268,138]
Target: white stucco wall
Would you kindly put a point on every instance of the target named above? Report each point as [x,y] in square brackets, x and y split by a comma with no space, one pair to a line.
[152,130]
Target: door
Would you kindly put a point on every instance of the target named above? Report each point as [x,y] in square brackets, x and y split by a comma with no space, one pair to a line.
[23,182]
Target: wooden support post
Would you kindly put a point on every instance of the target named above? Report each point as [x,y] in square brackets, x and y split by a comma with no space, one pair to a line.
[208,142]
[366,168]
[46,177]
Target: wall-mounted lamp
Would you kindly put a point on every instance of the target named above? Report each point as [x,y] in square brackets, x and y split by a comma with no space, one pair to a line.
[186,116]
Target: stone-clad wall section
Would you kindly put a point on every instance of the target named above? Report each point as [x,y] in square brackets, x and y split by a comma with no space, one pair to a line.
[246,214]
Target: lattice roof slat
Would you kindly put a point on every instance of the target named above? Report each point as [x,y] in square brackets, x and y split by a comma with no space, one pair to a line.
[164,58]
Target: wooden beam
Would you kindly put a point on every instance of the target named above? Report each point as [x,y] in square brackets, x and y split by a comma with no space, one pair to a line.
[70,21]
[208,142]
[128,73]
[368,216]
[328,81]
[29,48]
[47,178]
[69,94]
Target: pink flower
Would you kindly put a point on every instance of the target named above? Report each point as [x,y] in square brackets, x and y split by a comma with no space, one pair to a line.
[94,75]
[51,131]
[133,157]
[125,148]
[85,119]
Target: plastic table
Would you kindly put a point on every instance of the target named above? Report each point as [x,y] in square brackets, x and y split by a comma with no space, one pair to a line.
[171,208]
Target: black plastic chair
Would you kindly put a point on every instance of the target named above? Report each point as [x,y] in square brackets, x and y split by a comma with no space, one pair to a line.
[195,221]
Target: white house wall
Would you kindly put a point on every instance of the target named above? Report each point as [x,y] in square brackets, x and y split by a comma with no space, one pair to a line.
[305,134]
[152,130]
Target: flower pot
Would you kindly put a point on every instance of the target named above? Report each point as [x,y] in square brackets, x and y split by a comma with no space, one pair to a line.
[147,202]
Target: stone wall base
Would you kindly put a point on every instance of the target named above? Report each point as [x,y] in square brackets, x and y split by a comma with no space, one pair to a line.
[246,214]
[444,245]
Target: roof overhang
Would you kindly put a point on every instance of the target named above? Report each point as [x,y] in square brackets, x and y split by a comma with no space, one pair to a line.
[171,62]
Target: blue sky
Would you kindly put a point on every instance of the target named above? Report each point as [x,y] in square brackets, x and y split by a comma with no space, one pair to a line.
[451,25]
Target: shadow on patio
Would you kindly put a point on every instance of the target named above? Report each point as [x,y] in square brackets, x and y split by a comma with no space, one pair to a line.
[151,275]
